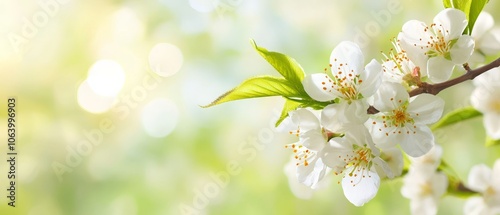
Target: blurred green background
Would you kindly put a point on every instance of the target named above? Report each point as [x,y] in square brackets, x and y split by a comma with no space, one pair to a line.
[155,150]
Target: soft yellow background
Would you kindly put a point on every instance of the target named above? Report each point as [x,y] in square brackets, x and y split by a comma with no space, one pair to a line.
[131,172]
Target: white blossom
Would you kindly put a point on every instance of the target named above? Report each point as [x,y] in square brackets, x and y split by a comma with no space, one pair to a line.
[487,182]
[423,185]
[312,139]
[428,162]
[398,68]
[298,189]
[403,120]
[437,48]
[486,99]
[424,189]
[349,82]
[355,156]
[487,37]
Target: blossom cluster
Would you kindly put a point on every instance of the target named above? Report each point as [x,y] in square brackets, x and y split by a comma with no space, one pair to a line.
[424,184]
[363,123]
[371,122]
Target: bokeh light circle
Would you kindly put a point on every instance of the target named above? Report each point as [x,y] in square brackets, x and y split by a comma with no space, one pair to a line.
[159,117]
[106,77]
[165,59]
[93,102]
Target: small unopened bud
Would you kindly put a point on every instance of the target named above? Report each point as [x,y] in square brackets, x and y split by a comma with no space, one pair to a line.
[416,72]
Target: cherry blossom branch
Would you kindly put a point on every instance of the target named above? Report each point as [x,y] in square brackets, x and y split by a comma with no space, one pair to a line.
[464,189]
[434,89]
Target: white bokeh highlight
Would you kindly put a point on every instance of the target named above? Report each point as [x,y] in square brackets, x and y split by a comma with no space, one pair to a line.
[159,117]
[106,77]
[165,59]
[93,102]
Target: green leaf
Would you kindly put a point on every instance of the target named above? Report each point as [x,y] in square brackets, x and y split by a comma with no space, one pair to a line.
[456,116]
[290,105]
[262,86]
[285,65]
[463,5]
[492,142]
[471,8]
[448,3]
[475,9]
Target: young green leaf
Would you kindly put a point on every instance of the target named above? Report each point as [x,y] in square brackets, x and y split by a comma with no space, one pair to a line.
[463,5]
[262,86]
[448,3]
[456,116]
[290,105]
[285,65]
[475,9]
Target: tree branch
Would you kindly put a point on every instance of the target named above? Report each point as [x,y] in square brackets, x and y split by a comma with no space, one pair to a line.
[434,89]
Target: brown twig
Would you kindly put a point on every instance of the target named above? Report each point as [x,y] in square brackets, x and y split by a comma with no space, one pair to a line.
[434,89]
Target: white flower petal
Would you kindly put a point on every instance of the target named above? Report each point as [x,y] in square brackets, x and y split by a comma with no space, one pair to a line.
[439,183]
[490,43]
[313,139]
[336,147]
[480,177]
[492,124]
[426,108]
[477,57]
[385,169]
[439,69]
[357,112]
[461,51]
[286,125]
[390,96]
[416,54]
[394,158]
[360,136]
[488,79]
[311,174]
[333,117]
[496,176]
[305,119]
[313,85]
[428,162]
[415,48]
[418,143]
[481,98]
[372,78]
[349,55]
[412,183]
[300,190]
[484,22]
[385,137]
[361,187]
[412,33]
[423,206]
[475,206]
[453,20]
[391,73]
[340,116]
